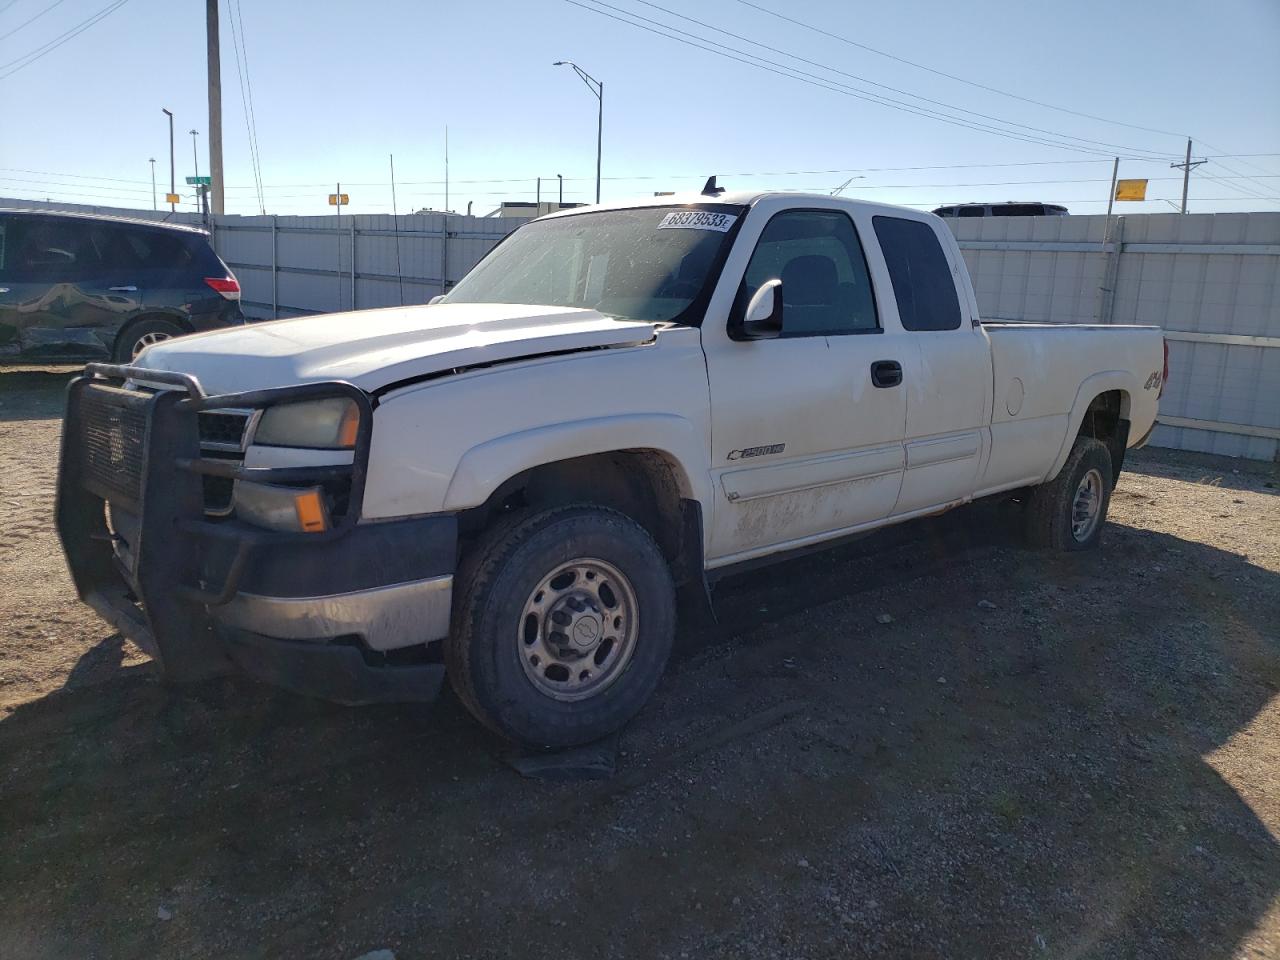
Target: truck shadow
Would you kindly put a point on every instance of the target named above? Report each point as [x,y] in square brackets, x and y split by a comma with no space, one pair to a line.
[34,393]
[1044,775]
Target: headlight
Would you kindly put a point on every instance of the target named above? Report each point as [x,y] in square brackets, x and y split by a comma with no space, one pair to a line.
[282,508]
[329,424]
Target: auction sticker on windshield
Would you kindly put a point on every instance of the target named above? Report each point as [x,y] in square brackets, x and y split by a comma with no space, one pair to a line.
[697,220]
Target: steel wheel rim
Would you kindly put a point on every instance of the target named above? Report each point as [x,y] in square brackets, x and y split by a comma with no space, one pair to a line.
[1086,506]
[577,631]
[147,339]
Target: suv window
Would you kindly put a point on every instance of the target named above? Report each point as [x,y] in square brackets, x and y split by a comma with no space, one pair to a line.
[1018,210]
[826,288]
[922,282]
[131,248]
[972,212]
[54,250]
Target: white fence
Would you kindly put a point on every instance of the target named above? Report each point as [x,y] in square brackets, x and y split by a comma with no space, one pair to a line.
[293,265]
[1211,280]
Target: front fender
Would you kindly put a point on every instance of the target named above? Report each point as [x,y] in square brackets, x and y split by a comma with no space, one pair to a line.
[1099,383]
[484,467]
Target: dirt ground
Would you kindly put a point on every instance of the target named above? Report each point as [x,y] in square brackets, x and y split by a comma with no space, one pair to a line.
[1038,756]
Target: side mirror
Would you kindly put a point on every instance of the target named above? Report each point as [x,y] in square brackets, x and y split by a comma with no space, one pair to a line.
[436,299]
[763,317]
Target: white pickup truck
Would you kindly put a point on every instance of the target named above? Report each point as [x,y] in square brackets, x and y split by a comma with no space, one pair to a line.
[508,485]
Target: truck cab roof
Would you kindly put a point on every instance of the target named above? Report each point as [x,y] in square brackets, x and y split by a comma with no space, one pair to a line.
[745,198]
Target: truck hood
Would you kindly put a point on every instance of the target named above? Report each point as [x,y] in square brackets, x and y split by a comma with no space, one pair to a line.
[375,348]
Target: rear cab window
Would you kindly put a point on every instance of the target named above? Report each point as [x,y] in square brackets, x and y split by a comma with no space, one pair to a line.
[922,282]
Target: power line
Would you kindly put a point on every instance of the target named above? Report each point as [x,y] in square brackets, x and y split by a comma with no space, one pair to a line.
[1228,167]
[794,73]
[5,36]
[766,173]
[52,183]
[255,155]
[951,76]
[244,102]
[29,58]
[853,76]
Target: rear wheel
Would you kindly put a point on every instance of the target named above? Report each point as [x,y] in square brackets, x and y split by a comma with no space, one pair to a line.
[141,335]
[563,627]
[1068,512]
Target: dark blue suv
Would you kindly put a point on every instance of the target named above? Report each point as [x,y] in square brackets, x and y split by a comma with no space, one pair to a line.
[84,287]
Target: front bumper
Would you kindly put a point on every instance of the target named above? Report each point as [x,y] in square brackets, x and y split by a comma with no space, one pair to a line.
[316,612]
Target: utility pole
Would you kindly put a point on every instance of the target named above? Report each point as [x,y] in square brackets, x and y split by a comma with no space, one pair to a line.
[560,177]
[152,161]
[446,170]
[215,108]
[1111,197]
[172,185]
[599,134]
[1186,173]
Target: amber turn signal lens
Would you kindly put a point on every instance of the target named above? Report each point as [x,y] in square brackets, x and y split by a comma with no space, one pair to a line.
[311,513]
[349,426]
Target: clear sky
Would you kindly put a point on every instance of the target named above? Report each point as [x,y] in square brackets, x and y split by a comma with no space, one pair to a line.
[337,86]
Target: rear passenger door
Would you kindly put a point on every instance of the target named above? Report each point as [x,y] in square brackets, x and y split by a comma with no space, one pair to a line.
[948,433]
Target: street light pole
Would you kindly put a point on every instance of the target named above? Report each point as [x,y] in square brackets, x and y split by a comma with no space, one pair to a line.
[201,193]
[597,88]
[172,184]
[152,161]
[560,177]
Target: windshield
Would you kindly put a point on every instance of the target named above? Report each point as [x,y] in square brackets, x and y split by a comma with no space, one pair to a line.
[648,264]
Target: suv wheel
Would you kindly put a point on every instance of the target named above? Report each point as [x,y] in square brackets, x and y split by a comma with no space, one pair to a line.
[138,337]
[563,627]
[1068,512]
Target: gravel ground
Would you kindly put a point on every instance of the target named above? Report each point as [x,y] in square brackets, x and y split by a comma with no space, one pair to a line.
[1037,756]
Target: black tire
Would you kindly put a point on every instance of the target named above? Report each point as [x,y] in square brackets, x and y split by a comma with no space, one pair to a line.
[132,336]
[502,572]
[1051,508]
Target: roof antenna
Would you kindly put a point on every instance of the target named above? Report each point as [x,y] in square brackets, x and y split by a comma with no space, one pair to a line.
[710,189]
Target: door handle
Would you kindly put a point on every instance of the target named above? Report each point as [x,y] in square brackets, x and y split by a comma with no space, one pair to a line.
[886,373]
[4,289]
[128,289]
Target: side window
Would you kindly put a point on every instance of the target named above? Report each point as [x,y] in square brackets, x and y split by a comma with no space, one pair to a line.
[973,211]
[922,282]
[53,250]
[114,247]
[826,288]
[158,250]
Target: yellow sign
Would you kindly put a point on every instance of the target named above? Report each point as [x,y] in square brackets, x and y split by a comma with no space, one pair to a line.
[335,201]
[172,198]
[1131,189]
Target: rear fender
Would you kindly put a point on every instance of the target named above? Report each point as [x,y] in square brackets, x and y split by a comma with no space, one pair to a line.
[1099,383]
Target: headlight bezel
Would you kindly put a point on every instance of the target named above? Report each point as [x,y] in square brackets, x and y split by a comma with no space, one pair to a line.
[327,423]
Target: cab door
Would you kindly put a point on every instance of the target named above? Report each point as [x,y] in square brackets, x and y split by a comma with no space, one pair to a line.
[807,428]
[947,433]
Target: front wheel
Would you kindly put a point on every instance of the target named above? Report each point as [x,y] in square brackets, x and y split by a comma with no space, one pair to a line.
[563,626]
[1068,512]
